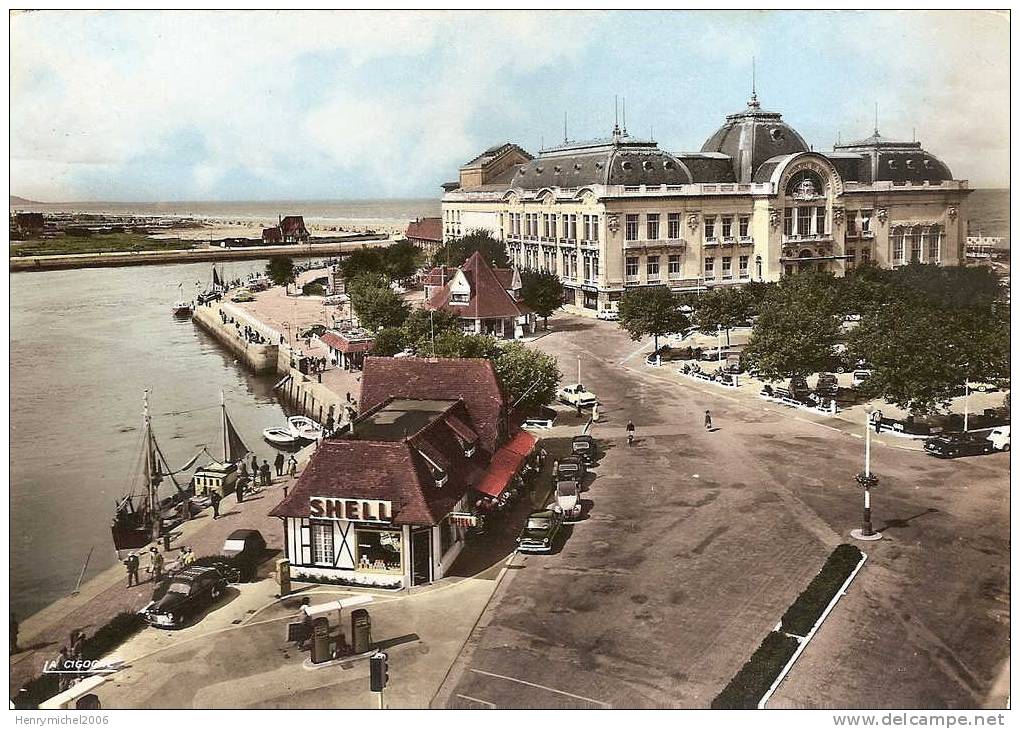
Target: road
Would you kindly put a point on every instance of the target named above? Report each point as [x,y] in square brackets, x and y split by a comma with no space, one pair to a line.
[698,541]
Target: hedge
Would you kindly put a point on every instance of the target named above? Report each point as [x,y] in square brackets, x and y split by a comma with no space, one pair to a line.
[105,639]
[809,605]
[745,690]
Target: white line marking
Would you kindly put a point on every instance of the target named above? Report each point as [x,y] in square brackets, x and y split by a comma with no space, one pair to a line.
[636,351]
[477,701]
[546,688]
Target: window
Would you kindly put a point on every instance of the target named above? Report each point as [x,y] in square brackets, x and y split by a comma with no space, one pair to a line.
[587,227]
[744,260]
[727,266]
[745,226]
[587,268]
[709,228]
[632,227]
[820,220]
[594,228]
[674,266]
[866,221]
[865,255]
[915,245]
[566,265]
[709,268]
[898,237]
[851,222]
[652,266]
[632,267]
[378,551]
[552,227]
[727,227]
[463,298]
[572,231]
[322,542]
[594,267]
[652,226]
[803,221]
[546,227]
[933,244]
[673,221]
[788,221]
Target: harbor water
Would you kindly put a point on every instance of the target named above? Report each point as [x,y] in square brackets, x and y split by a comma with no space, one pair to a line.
[85,344]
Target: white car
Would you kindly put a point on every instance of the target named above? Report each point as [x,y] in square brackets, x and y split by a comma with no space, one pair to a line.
[1000,438]
[576,395]
[608,315]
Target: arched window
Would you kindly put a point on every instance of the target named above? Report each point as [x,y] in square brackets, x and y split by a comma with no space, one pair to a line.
[805,185]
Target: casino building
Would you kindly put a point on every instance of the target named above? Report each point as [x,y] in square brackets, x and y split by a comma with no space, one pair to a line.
[755,204]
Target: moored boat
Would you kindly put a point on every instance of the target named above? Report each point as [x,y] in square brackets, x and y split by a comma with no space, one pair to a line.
[280,436]
[306,428]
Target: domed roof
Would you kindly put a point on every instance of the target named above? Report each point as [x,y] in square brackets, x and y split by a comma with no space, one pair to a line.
[890,160]
[752,136]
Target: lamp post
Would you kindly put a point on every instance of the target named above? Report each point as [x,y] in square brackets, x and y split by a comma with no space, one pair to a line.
[966,403]
[867,481]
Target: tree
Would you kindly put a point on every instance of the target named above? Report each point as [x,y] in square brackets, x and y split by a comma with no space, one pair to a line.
[375,303]
[458,250]
[527,375]
[360,262]
[388,342]
[542,292]
[458,345]
[400,260]
[721,309]
[280,270]
[421,324]
[754,295]
[651,311]
[797,329]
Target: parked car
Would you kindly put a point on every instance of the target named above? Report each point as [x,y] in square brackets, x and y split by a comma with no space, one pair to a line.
[540,532]
[585,447]
[245,548]
[242,296]
[608,315]
[999,438]
[860,376]
[954,445]
[568,500]
[183,596]
[572,467]
[576,395]
[315,330]
[713,353]
[798,388]
[827,385]
[335,300]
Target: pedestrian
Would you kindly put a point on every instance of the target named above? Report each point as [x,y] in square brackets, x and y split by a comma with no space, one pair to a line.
[329,422]
[239,487]
[279,463]
[348,397]
[254,466]
[306,623]
[131,564]
[188,557]
[242,470]
[155,564]
[630,432]
[292,466]
[708,420]
[77,643]
[578,408]
[595,413]
[267,476]
[214,499]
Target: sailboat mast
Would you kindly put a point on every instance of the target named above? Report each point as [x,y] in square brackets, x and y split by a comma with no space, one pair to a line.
[223,417]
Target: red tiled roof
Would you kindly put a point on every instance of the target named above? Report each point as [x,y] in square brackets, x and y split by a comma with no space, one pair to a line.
[272,235]
[425,229]
[505,463]
[335,341]
[293,225]
[489,298]
[471,380]
[438,276]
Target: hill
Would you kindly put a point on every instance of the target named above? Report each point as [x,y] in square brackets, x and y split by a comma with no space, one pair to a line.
[20,201]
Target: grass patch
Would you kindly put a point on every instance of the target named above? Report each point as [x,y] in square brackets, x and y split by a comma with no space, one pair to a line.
[808,607]
[745,690]
[96,243]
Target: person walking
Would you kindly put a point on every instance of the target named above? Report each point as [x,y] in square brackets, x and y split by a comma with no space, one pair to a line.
[155,564]
[254,466]
[292,466]
[131,564]
[214,499]
[708,420]
[239,487]
[267,475]
[630,432]
[279,464]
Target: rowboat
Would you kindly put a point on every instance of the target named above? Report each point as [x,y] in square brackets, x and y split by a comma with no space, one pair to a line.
[306,428]
[279,436]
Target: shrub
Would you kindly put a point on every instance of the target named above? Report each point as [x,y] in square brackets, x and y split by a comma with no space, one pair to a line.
[746,689]
[809,605]
[313,289]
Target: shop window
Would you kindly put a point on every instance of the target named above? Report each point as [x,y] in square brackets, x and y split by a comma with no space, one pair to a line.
[322,542]
[673,222]
[378,550]
[632,227]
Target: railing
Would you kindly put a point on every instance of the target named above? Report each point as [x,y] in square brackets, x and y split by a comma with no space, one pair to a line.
[808,237]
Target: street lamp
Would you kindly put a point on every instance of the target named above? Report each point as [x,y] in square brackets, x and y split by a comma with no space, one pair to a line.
[867,481]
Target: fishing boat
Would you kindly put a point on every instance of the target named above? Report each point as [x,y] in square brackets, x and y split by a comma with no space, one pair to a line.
[143,515]
[280,436]
[306,428]
[221,475]
[182,308]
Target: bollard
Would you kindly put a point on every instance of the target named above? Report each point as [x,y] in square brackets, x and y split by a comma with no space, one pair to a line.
[283,576]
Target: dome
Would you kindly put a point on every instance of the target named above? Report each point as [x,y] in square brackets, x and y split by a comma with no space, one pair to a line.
[893,161]
[752,136]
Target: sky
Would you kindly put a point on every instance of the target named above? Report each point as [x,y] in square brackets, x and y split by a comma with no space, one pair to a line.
[263,105]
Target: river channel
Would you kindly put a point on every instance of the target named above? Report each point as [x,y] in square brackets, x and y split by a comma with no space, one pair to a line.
[85,344]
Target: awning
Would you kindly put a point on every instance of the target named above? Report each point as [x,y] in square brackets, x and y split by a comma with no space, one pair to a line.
[505,464]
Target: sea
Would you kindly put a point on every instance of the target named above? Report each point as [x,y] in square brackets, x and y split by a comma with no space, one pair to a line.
[86,343]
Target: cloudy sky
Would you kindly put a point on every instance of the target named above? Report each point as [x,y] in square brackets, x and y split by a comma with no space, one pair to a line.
[148,106]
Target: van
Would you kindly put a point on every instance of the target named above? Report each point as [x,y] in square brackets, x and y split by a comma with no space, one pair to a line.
[1000,438]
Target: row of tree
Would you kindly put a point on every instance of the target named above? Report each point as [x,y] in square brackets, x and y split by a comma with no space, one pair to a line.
[923,330]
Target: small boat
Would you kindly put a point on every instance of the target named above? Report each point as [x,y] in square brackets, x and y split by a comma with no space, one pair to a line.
[182,308]
[302,427]
[279,436]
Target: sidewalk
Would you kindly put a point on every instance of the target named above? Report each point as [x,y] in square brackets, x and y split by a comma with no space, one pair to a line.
[107,594]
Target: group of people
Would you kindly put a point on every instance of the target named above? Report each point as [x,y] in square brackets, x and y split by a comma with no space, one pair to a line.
[157,566]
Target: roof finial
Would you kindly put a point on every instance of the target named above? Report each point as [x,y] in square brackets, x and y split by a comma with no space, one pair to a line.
[564,127]
[625,116]
[616,116]
[753,101]
[876,118]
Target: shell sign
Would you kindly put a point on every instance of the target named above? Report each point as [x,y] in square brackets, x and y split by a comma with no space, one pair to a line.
[325,507]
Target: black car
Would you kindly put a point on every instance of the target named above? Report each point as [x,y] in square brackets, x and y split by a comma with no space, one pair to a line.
[183,596]
[954,445]
[585,447]
[540,533]
[827,385]
[570,468]
[245,549]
